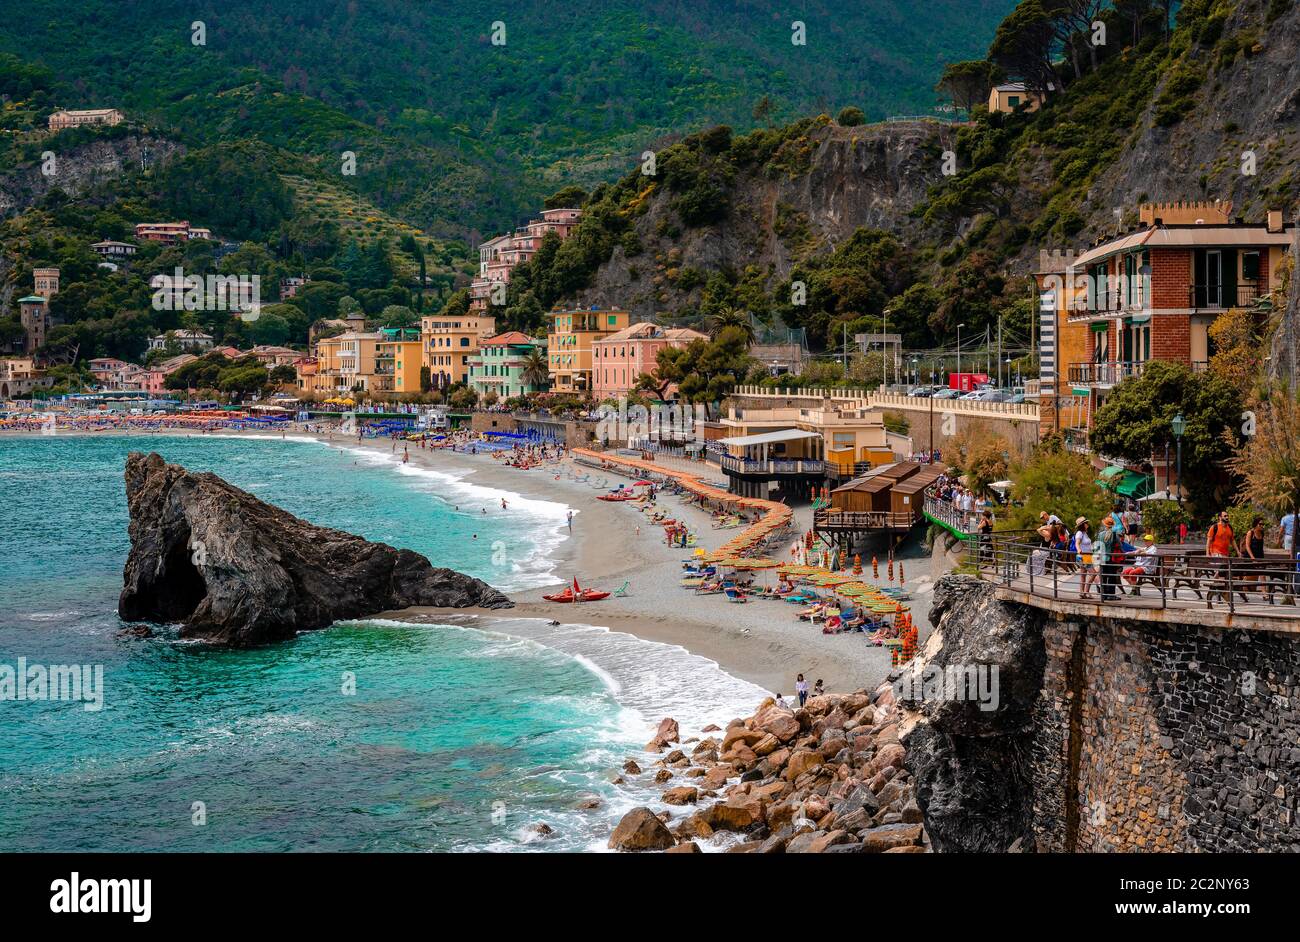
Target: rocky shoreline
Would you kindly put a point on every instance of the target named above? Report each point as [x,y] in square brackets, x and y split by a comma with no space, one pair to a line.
[826,778]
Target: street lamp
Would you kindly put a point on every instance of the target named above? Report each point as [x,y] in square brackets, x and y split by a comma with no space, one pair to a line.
[959,327]
[1179,425]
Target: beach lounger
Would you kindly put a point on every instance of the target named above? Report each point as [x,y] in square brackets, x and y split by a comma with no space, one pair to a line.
[621,591]
[735,595]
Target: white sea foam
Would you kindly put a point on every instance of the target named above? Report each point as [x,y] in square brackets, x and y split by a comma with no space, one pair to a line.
[544,521]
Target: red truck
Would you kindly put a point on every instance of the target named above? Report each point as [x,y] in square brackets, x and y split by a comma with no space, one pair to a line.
[966,382]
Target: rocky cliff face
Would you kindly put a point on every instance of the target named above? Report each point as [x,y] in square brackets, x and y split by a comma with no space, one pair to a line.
[971,753]
[1248,101]
[78,169]
[235,570]
[851,177]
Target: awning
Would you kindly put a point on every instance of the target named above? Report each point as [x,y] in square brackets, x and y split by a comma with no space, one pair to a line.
[1125,482]
[769,438]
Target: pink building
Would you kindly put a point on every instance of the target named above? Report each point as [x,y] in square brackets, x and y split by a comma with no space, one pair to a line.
[497,257]
[619,359]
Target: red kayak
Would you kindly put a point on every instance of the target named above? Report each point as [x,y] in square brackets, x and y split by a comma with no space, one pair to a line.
[574,593]
[616,497]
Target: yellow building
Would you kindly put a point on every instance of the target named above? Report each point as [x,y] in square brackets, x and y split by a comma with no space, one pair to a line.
[569,341]
[450,341]
[1007,98]
[343,364]
[398,359]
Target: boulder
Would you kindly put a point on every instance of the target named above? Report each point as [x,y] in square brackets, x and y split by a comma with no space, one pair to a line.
[686,847]
[662,776]
[237,571]
[667,731]
[815,842]
[880,839]
[682,795]
[640,829]
[801,761]
[631,768]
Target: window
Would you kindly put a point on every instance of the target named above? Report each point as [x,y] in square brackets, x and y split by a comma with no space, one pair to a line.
[1013,101]
[1250,266]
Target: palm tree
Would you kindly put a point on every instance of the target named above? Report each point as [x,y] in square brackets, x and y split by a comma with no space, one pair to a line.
[732,317]
[536,371]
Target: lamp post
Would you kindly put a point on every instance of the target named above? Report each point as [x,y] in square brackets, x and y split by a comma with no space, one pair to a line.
[959,327]
[1179,425]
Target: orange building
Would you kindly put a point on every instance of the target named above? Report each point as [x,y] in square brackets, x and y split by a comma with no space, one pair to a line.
[570,343]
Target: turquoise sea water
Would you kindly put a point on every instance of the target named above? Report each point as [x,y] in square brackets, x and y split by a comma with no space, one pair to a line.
[455,738]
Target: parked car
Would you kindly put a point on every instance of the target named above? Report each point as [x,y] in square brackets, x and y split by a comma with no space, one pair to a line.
[1015,398]
[921,392]
[947,394]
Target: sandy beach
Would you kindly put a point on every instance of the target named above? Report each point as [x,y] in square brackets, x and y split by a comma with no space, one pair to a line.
[760,641]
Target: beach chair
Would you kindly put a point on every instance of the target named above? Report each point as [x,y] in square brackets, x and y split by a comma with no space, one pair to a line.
[735,595]
[621,591]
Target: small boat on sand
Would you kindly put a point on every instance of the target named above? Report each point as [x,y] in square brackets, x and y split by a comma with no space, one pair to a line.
[575,593]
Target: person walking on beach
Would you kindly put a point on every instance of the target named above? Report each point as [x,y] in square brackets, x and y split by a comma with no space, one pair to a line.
[801,689]
[570,516]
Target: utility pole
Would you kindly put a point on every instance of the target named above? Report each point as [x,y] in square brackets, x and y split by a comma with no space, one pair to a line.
[1000,352]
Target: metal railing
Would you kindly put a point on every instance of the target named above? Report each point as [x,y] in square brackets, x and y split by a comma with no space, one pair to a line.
[772,466]
[1175,577]
[1221,296]
[949,514]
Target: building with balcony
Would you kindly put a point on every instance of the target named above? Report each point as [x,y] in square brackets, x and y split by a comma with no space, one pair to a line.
[170,233]
[189,340]
[449,343]
[399,356]
[570,345]
[799,444]
[499,256]
[111,251]
[619,359]
[1151,294]
[20,377]
[344,364]
[500,364]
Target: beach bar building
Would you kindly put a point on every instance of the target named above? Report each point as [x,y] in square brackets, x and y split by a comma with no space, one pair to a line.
[887,500]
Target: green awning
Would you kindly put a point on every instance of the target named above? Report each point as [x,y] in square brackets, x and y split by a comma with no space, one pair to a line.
[1125,482]
[1100,326]
[1134,485]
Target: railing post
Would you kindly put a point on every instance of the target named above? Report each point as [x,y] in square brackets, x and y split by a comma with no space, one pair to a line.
[1055,569]
[1231,605]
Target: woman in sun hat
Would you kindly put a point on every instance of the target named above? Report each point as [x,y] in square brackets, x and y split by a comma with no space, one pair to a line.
[1083,549]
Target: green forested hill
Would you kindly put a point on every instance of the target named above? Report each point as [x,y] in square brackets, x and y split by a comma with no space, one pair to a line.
[458,134]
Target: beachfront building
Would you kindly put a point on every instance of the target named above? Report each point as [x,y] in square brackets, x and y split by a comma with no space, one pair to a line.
[75,119]
[500,365]
[20,377]
[1150,294]
[499,256]
[619,359]
[189,340]
[798,443]
[449,343]
[398,360]
[570,342]
[1006,98]
[344,363]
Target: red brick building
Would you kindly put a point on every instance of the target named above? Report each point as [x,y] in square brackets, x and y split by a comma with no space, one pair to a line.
[1152,294]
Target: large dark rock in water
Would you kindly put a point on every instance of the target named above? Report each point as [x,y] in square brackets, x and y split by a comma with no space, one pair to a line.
[235,570]
[972,756]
